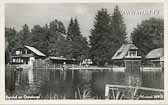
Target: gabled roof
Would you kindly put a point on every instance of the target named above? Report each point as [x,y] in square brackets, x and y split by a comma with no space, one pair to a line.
[155,53]
[122,51]
[34,50]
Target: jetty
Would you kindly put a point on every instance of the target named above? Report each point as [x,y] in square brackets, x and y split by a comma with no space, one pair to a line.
[117,91]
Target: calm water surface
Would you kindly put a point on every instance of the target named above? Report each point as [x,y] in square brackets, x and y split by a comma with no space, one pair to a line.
[71,84]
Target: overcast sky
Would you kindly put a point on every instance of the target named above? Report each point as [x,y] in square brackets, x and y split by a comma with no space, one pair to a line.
[16,15]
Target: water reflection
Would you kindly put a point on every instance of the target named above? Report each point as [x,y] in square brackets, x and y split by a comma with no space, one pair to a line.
[75,84]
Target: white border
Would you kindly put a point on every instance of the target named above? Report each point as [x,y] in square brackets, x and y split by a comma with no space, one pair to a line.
[2,60]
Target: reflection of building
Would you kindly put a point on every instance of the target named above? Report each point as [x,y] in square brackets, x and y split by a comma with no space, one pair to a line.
[127,56]
[155,58]
[26,55]
[127,59]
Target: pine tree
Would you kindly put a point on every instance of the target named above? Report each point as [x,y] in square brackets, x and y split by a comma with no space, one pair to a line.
[78,42]
[118,31]
[10,42]
[99,38]
[23,37]
[117,26]
[107,36]
[70,30]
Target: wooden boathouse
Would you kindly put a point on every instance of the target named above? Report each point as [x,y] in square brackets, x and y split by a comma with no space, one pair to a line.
[127,57]
[154,60]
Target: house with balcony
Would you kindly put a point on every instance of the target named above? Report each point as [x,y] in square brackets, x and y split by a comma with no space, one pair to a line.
[26,56]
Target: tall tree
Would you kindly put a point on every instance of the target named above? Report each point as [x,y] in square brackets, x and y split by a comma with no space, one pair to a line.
[10,37]
[10,42]
[57,26]
[118,27]
[149,35]
[39,39]
[118,32]
[23,37]
[70,30]
[99,37]
[107,36]
[79,43]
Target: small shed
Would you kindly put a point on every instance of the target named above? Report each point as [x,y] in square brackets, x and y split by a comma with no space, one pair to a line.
[59,60]
[155,58]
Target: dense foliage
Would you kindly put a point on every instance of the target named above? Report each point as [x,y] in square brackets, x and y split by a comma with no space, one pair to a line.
[149,35]
[108,34]
[50,39]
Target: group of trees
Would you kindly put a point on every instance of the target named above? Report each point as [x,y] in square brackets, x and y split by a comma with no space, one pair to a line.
[149,35]
[51,39]
[107,35]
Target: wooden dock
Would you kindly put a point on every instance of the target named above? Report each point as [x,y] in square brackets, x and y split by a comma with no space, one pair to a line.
[135,88]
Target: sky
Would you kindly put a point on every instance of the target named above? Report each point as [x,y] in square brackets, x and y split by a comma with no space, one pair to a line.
[16,15]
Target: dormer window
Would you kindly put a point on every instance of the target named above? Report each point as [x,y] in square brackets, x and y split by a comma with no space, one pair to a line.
[132,53]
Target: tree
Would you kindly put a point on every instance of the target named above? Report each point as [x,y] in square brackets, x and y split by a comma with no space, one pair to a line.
[78,42]
[70,30]
[23,37]
[99,37]
[107,36]
[118,29]
[57,26]
[149,35]
[39,38]
[10,37]
[10,42]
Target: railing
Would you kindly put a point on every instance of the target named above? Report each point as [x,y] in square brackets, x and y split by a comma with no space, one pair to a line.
[119,93]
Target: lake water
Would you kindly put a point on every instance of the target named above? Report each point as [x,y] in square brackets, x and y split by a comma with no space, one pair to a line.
[74,84]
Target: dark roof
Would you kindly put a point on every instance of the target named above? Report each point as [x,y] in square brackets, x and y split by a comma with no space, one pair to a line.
[34,50]
[155,53]
[122,51]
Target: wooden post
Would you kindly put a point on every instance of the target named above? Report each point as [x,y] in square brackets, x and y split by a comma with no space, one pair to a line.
[118,94]
[76,95]
[106,91]
[72,74]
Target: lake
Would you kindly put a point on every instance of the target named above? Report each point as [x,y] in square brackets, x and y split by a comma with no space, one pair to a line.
[74,84]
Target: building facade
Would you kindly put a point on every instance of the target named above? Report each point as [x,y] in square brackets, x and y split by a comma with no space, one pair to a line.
[26,55]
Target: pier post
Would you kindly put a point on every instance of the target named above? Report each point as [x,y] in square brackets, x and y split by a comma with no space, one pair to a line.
[106,91]
[72,74]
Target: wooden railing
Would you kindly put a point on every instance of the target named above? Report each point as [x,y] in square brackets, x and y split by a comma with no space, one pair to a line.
[134,88]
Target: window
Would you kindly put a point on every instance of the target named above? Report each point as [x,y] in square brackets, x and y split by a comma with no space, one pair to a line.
[21,60]
[17,52]
[25,51]
[132,53]
[13,60]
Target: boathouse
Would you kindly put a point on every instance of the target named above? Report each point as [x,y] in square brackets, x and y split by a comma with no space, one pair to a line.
[155,58]
[26,55]
[59,60]
[127,57]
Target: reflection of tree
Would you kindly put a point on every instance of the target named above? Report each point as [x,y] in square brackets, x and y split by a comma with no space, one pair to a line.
[9,81]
